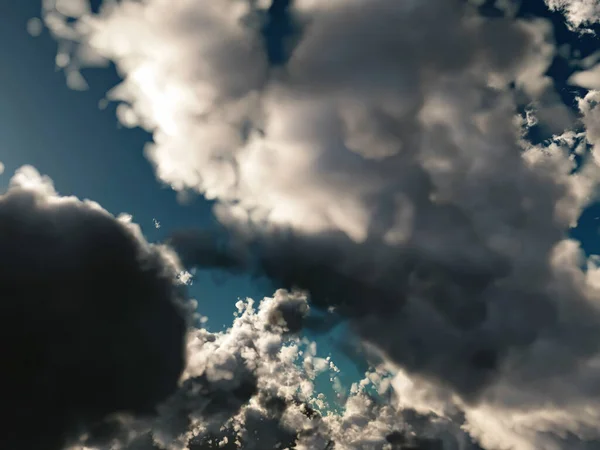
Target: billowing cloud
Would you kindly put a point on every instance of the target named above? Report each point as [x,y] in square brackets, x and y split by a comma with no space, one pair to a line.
[91,316]
[385,168]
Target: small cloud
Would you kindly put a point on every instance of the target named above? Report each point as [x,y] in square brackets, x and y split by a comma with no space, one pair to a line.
[185,277]
[62,60]
[156,223]
[76,81]
[125,218]
[27,177]
[34,26]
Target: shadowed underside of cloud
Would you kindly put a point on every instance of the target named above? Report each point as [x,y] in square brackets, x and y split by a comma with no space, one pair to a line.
[384,167]
[89,321]
[253,387]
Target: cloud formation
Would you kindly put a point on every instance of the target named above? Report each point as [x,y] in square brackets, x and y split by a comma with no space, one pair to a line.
[388,168]
[91,318]
[580,14]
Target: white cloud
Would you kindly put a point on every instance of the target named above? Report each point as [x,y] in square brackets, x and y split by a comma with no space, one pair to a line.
[579,13]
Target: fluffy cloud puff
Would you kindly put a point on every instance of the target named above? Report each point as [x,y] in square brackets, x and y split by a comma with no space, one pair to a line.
[579,13]
[385,168]
[89,317]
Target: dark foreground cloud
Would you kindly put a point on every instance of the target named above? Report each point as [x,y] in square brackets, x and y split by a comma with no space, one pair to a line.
[89,317]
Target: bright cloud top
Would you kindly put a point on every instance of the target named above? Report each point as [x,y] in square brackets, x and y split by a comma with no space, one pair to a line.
[102,353]
[579,13]
[386,169]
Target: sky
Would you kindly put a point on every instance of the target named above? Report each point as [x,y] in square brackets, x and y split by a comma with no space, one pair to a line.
[408,191]
[87,152]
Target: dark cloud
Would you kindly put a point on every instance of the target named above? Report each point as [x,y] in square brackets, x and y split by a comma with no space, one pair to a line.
[89,321]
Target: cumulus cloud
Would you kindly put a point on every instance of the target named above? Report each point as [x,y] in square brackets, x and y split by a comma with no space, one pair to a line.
[91,316]
[385,168]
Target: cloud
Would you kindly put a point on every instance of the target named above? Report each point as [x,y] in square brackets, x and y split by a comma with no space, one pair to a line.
[89,317]
[579,14]
[226,126]
[34,26]
[253,386]
[386,169]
